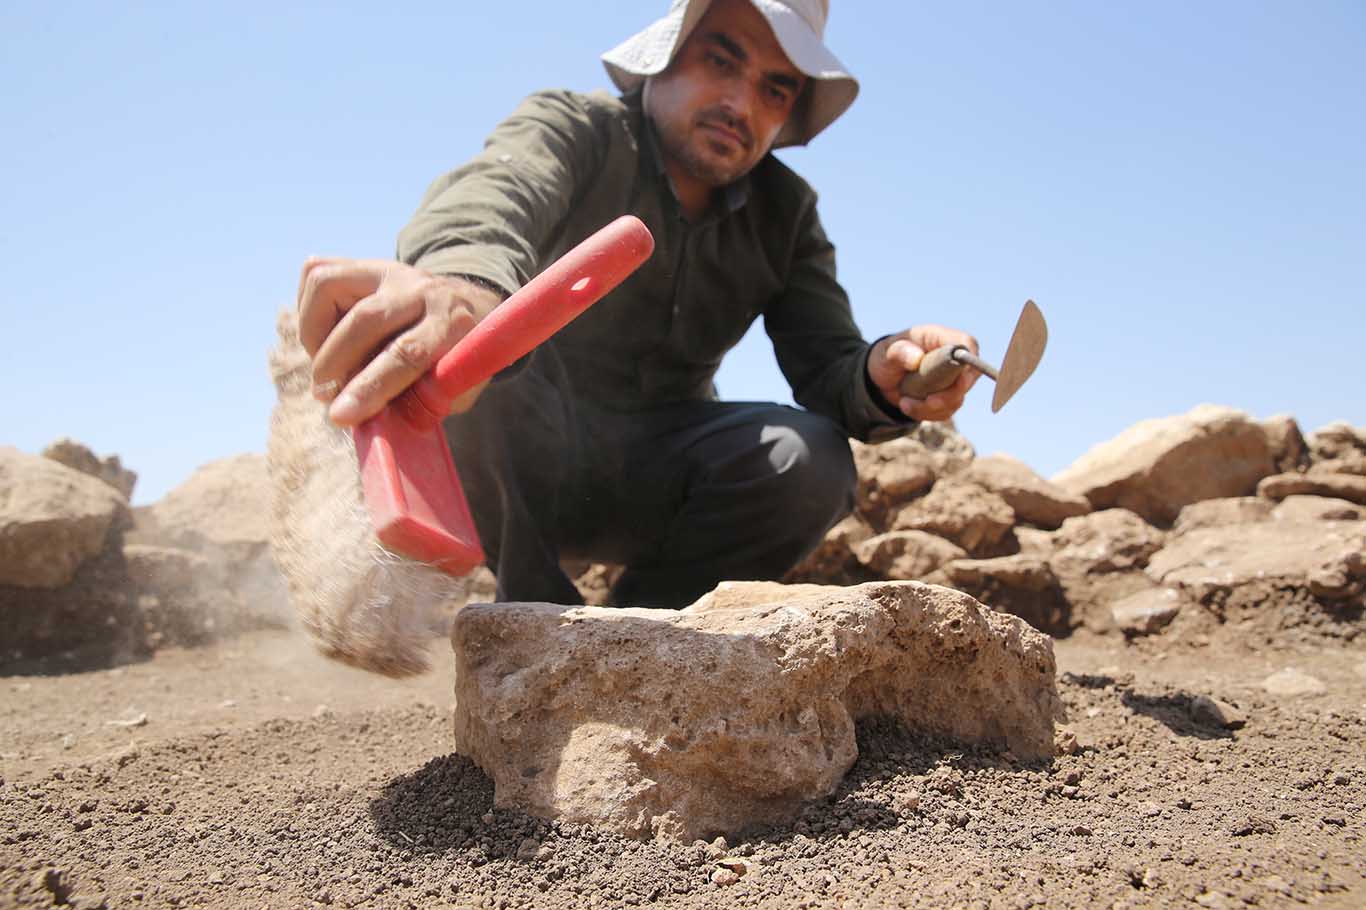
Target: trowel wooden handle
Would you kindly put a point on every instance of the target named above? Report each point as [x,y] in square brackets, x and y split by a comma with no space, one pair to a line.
[541,308]
[937,371]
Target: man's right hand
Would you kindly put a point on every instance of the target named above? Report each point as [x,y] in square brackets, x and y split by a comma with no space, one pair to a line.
[372,327]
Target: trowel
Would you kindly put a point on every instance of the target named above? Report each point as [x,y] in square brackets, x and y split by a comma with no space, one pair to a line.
[939,368]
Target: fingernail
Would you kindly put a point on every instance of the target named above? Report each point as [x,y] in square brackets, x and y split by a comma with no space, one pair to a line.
[345,409]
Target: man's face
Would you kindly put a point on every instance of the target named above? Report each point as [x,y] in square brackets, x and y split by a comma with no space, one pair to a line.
[723,99]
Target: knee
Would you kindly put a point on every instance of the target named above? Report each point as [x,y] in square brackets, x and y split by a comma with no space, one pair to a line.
[811,455]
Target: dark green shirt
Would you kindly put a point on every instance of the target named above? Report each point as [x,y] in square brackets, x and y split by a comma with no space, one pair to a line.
[565,164]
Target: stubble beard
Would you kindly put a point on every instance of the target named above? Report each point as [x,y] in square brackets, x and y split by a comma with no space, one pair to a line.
[689,149]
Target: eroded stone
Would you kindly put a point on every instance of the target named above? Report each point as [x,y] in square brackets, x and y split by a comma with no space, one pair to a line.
[731,713]
[1317,508]
[79,457]
[52,519]
[1147,611]
[906,555]
[1284,554]
[1351,487]
[1156,467]
[1035,500]
[965,513]
[1213,513]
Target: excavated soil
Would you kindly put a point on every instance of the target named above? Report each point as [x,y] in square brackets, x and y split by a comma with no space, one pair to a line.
[251,773]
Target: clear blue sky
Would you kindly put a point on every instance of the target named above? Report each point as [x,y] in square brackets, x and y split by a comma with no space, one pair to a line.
[1181,187]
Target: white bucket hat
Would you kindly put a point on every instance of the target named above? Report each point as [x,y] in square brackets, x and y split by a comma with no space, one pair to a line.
[797,24]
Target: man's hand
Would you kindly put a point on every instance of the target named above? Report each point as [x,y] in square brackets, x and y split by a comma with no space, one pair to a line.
[372,327]
[896,355]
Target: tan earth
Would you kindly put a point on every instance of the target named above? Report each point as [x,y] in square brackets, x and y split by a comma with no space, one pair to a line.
[1209,659]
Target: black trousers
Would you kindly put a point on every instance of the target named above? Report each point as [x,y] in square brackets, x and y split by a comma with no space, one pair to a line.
[684,496]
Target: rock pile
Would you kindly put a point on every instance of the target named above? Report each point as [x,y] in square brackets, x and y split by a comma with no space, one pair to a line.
[86,577]
[1199,516]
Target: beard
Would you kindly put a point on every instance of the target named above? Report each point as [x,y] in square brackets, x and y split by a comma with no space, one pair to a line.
[704,158]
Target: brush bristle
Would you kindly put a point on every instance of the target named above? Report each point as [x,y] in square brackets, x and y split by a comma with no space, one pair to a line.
[362,604]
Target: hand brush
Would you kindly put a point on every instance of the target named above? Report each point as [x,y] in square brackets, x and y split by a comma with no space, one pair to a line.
[371,555]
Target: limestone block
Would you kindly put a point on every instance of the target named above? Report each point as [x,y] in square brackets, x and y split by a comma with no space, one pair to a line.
[1145,612]
[906,555]
[890,474]
[1035,500]
[1328,557]
[1317,508]
[1156,467]
[222,511]
[1113,540]
[1289,451]
[965,513]
[1338,448]
[1098,559]
[948,448]
[1027,573]
[79,457]
[52,519]
[1213,513]
[1020,584]
[737,710]
[1351,487]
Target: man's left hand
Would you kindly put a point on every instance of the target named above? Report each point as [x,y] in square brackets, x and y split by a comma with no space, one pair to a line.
[896,355]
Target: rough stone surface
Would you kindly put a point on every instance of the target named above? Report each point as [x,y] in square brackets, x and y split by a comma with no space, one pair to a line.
[1317,508]
[1034,541]
[890,474]
[1156,467]
[948,448]
[965,513]
[906,555]
[1027,573]
[1351,487]
[1036,501]
[1338,447]
[79,457]
[1328,558]
[1214,513]
[1147,611]
[222,510]
[52,519]
[1113,540]
[684,724]
[1289,451]
[92,619]
[1098,559]
[1021,584]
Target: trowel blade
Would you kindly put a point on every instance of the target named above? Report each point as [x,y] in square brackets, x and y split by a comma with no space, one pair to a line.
[1022,355]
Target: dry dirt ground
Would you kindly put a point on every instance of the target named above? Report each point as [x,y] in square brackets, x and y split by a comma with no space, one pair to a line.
[251,773]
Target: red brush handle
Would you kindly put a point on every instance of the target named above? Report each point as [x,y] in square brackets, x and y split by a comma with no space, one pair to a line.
[541,308]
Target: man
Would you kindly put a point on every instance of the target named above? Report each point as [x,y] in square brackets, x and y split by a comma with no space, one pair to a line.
[607,443]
